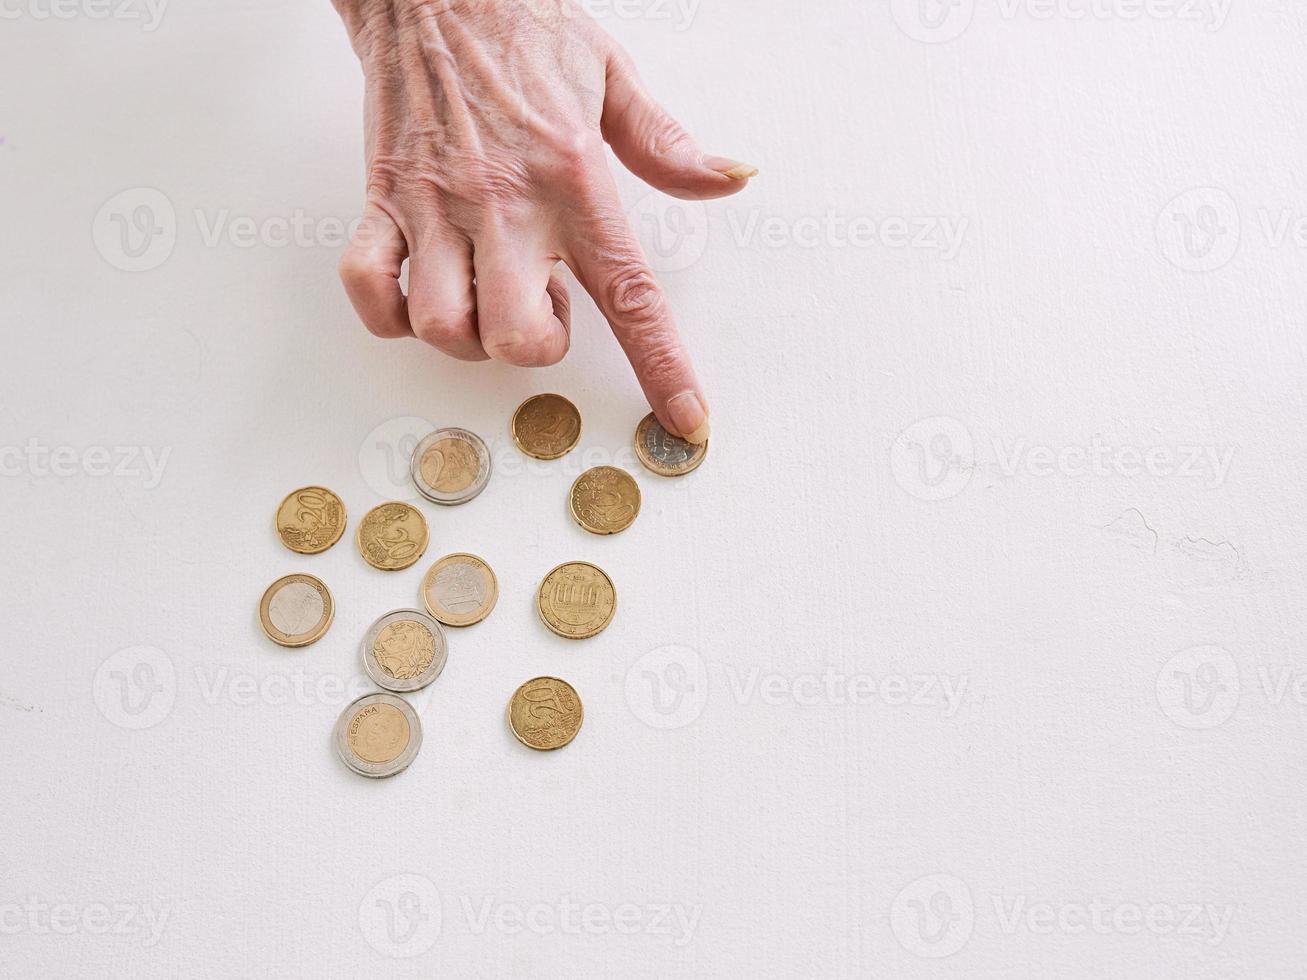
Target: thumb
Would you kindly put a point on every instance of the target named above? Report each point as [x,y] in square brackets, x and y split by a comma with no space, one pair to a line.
[655,147]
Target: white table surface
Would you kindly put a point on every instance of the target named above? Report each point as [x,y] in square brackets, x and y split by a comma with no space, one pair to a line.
[975,650]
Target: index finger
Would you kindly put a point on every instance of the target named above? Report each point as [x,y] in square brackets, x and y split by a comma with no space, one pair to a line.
[609,263]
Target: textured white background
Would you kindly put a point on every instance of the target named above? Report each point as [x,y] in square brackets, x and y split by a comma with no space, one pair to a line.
[1126,279]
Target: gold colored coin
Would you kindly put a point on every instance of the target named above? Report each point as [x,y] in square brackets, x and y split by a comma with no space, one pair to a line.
[546,426]
[577,600]
[664,454]
[392,536]
[296,610]
[545,713]
[310,520]
[460,590]
[604,500]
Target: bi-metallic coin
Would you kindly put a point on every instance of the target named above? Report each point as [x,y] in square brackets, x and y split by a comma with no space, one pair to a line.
[460,590]
[451,466]
[378,735]
[404,651]
[664,454]
[296,610]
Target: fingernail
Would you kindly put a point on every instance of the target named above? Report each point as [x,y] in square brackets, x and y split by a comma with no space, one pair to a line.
[731,168]
[689,416]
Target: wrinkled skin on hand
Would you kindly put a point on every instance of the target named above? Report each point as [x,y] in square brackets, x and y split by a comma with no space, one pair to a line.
[485,125]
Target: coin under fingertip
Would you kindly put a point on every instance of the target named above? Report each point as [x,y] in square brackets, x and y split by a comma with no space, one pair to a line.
[664,454]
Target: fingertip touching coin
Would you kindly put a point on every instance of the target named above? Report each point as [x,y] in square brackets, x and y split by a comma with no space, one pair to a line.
[486,169]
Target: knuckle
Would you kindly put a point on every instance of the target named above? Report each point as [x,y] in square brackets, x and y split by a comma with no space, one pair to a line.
[634,296]
[562,302]
[353,267]
[386,176]
[520,348]
[664,137]
[473,179]
[412,183]
[571,156]
[443,328]
[378,329]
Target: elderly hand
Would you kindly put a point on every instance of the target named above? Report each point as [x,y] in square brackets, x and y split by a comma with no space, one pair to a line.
[485,122]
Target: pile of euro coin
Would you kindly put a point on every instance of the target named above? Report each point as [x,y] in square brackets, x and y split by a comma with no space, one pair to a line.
[406,649]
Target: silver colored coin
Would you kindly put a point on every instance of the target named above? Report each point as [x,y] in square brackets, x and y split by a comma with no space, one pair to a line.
[378,735]
[404,651]
[460,590]
[664,454]
[451,466]
[296,608]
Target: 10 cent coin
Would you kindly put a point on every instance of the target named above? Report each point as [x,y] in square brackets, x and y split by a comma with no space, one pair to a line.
[392,536]
[546,426]
[460,590]
[451,466]
[604,500]
[545,713]
[577,600]
[296,610]
[378,735]
[404,651]
[310,520]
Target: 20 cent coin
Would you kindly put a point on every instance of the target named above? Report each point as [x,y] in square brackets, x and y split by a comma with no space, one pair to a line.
[392,536]
[545,713]
[546,426]
[604,500]
[310,520]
